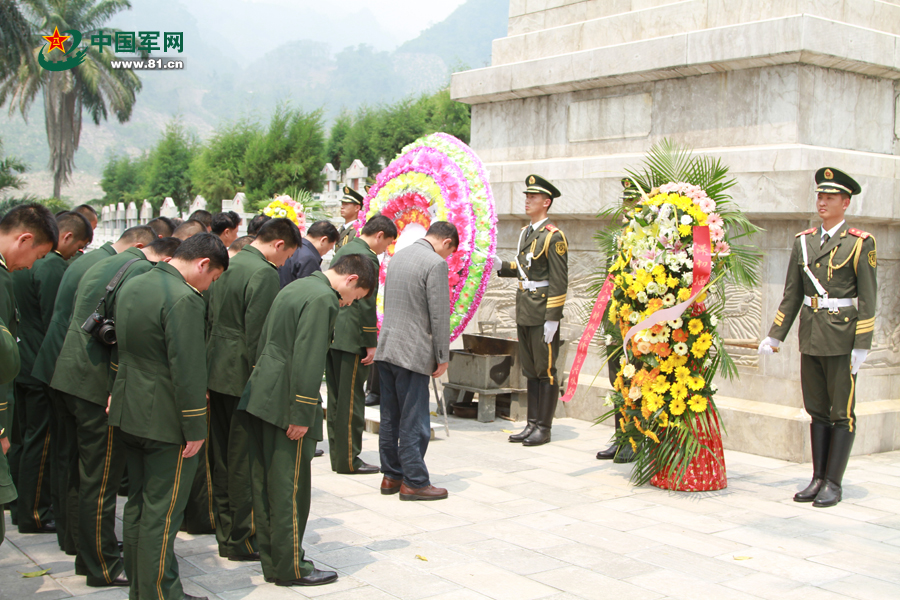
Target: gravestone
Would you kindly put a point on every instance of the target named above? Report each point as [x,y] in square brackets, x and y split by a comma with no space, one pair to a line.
[168,209]
[146,212]
[579,90]
[131,215]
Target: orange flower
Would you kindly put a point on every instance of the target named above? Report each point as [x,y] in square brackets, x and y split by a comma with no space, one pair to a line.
[654,305]
[663,350]
[680,335]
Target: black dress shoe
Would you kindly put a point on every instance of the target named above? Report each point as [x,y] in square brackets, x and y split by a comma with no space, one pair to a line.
[829,495]
[319,452]
[48,527]
[609,453]
[810,492]
[317,577]
[254,557]
[119,581]
[366,469]
[373,400]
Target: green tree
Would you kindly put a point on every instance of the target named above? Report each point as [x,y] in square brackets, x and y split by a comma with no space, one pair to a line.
[15,36]
[335,150]
[290,153]
[216,169]
[443,114]
[93,85]
[398,125]
[361,141]
[168,172]
[10,169]
[124,179]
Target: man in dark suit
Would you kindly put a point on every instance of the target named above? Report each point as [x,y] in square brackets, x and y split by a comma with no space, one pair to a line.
[307,259]
[285,411]
[158,403]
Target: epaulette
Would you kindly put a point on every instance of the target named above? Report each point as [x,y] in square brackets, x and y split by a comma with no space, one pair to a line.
[524,228]
[807,232]
[860,234]
[551,228]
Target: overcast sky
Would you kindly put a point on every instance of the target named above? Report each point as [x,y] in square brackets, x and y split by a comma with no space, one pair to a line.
[404,19]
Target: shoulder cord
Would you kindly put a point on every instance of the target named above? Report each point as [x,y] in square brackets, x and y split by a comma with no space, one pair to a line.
[854,254]
[547,243]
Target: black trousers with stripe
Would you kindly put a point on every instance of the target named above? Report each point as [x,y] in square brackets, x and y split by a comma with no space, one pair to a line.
[829,390]
[537,358]
[34,412]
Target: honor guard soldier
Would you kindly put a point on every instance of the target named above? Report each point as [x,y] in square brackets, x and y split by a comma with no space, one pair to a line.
[9,368]
[351,204]
[542,267]
[831,281]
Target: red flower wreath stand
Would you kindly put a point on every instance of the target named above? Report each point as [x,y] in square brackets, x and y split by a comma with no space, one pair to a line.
[705,473]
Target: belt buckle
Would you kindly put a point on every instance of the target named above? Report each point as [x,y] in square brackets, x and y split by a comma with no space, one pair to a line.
[814,302]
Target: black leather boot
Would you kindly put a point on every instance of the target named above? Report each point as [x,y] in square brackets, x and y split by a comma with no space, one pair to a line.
[838,457]
[820,440]
[610,452]
[549,396]
[533,397]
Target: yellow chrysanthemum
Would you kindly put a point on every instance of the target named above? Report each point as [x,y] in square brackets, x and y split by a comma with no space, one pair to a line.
[660,385]
[696,383]
[705,338]
[697,403]
[695,326]
[658,270]
[667,366]
[684,230]
[672,282]
[676,407]
[699,349]
[663,419]
[642,277]
[684,294]
[682,374]
[679,391]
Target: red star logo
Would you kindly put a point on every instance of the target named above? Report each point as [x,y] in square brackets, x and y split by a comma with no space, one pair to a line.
[56,40]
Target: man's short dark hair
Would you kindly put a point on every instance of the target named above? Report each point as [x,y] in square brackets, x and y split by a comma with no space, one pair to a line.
[238,244]
[280,229]
[77,224]
[444,230]
[139,234]
[204,216]
[379,223]
[235,217]
[204,245]
[86,210]
[162,226]
[359,265]
[257,222]
[35,219]
[188,229]
[222,221]
[165,246]
[323,229]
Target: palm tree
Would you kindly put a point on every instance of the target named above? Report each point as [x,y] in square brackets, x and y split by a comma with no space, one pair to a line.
[15,35]
[93,85]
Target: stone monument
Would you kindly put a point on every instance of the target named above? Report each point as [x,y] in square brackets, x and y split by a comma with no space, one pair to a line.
[580,89]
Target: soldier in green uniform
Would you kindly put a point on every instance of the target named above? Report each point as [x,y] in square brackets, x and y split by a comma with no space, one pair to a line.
[351,355]
[83,375]
[9,368]
[27,233]
[542,267]
[285,411]
[238,305]
[831,281]
[158,404]
[351,204]
[35,295]
[65,450]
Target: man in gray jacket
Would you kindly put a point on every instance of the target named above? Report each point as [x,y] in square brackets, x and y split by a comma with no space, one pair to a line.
[414,345]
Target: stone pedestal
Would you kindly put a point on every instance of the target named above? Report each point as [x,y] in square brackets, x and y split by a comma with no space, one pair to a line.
[580,90]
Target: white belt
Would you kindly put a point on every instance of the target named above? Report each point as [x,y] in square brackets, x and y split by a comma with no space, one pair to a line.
[832,304]
[532,285]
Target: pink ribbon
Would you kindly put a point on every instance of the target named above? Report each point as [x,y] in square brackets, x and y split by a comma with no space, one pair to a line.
[586,337]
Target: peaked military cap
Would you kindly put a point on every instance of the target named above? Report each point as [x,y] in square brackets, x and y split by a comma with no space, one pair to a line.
[832,181]
[539,185]
[352,196]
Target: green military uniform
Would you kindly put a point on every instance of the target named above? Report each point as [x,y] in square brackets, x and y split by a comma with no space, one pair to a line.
[82,378]
[10,316]
[283,390]
[355,330]
[9,368]
[348,232]
[238,305]
[832,326]
[158,403]
[541,265]
[65,449]
[35,295]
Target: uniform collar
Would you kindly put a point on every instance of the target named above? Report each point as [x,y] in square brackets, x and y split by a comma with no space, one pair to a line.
[537,225]
[256,252]
[3,263]
[175,273]
[324,278]
[831,232]
[358,240]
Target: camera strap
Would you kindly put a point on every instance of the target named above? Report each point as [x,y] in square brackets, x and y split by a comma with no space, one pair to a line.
[115,281]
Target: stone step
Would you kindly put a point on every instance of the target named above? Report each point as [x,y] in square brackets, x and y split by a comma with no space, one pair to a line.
[585,27]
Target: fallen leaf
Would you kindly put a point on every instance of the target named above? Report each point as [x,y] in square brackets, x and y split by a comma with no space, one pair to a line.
[743,558]
[35,573]
[433,414]
[506,430]
[420,557]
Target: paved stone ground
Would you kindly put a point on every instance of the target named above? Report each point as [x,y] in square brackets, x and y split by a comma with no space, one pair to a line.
[554,523]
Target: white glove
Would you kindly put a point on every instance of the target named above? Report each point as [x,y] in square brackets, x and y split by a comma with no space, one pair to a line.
[550,328]
[766,346]
[498,264]
[857,358]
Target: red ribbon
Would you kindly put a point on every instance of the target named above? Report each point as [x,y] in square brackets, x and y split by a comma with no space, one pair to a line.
[592,326]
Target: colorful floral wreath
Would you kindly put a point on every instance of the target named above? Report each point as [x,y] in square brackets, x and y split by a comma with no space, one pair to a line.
[285,207]
[439,178]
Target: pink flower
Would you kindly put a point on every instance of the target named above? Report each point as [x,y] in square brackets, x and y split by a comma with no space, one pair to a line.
[716,234]
[707,205]
[722,248]
[715,220]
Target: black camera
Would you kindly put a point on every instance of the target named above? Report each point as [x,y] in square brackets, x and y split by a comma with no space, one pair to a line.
[101,328]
